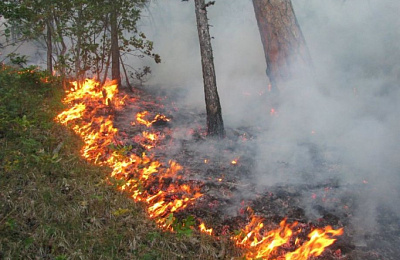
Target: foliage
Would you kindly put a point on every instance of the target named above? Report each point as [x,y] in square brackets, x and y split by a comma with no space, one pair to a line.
[181,227]
[80,31]
[15,104]
[17,59]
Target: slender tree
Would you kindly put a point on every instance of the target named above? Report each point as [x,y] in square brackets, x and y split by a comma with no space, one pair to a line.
[115,52]
[49,43]
[282,39]
[215,125]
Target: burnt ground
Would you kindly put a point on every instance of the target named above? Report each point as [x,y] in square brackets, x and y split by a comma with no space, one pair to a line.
[230,188]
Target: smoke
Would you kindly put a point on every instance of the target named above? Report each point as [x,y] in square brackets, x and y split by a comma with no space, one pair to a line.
[354,107]
[238,54]
[345,115]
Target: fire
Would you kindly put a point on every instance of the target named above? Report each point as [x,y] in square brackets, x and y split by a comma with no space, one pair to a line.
[264,244]
[161,186]
[99,135]
[203,229]
[74,112]
[140,118]
[319,239]
[150,139]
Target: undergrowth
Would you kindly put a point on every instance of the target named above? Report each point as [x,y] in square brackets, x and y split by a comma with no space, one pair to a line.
[53,204]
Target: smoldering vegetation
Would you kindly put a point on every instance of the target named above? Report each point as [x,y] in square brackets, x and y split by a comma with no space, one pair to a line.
[334,134]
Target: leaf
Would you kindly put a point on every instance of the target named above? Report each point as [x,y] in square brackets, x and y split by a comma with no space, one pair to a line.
[170,219]
[120,212]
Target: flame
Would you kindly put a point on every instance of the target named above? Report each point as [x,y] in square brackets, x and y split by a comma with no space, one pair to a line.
[87,100]
[203,229]
[150,139]
[319,240]
[140,118]
[264,244]
[161,186]
[74,112]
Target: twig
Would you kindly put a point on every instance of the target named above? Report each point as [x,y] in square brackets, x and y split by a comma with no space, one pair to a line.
[5,217]
[208,4]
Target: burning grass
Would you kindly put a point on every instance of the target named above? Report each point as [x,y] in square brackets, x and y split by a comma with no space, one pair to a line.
[53,204]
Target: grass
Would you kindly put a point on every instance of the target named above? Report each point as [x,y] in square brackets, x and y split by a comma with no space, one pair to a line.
[53,204]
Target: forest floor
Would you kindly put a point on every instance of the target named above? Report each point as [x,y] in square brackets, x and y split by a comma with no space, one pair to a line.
[56,205]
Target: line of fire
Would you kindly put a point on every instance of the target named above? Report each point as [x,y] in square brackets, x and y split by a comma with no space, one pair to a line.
[165,187]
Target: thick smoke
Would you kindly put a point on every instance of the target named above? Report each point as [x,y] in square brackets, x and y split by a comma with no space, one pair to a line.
[345,114]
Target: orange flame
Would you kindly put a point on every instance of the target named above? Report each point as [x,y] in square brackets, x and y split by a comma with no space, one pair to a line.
[263,244]
[203,229]
[319,240]
[140,118]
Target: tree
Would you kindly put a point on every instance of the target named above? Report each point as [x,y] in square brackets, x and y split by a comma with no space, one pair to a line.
[81,35]
[282,39]
[115,55]
[215,125]
[120,18]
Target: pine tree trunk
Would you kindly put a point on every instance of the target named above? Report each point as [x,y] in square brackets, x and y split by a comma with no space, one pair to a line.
[282,39]
[215,125]
[115,64]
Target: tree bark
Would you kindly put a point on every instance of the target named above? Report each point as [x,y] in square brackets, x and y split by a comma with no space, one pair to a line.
[79,35]
[215,125]
[49,43]
[282,39]
[115,64]
[61,55]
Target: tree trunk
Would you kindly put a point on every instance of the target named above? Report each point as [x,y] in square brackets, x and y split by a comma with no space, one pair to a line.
[61,55]
[115,64]
[215,125]
[79,35]
[49,43]
[283,41]
[128,84]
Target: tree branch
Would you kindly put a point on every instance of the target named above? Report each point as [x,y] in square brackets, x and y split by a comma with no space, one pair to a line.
[208,4]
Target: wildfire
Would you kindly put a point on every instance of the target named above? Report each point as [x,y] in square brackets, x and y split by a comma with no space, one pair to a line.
[161,186]
[264,244]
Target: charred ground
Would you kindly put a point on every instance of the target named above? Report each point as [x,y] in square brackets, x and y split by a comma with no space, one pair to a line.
[225,172]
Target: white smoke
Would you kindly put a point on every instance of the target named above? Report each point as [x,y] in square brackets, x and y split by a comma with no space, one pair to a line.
[347,112]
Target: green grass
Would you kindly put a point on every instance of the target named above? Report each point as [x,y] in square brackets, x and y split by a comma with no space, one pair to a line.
[53,204]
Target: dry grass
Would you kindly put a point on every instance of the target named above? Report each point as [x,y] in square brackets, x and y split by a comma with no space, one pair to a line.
[54,205]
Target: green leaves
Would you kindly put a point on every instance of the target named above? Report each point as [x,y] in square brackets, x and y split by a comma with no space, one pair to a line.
[79,31]
[182,227]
